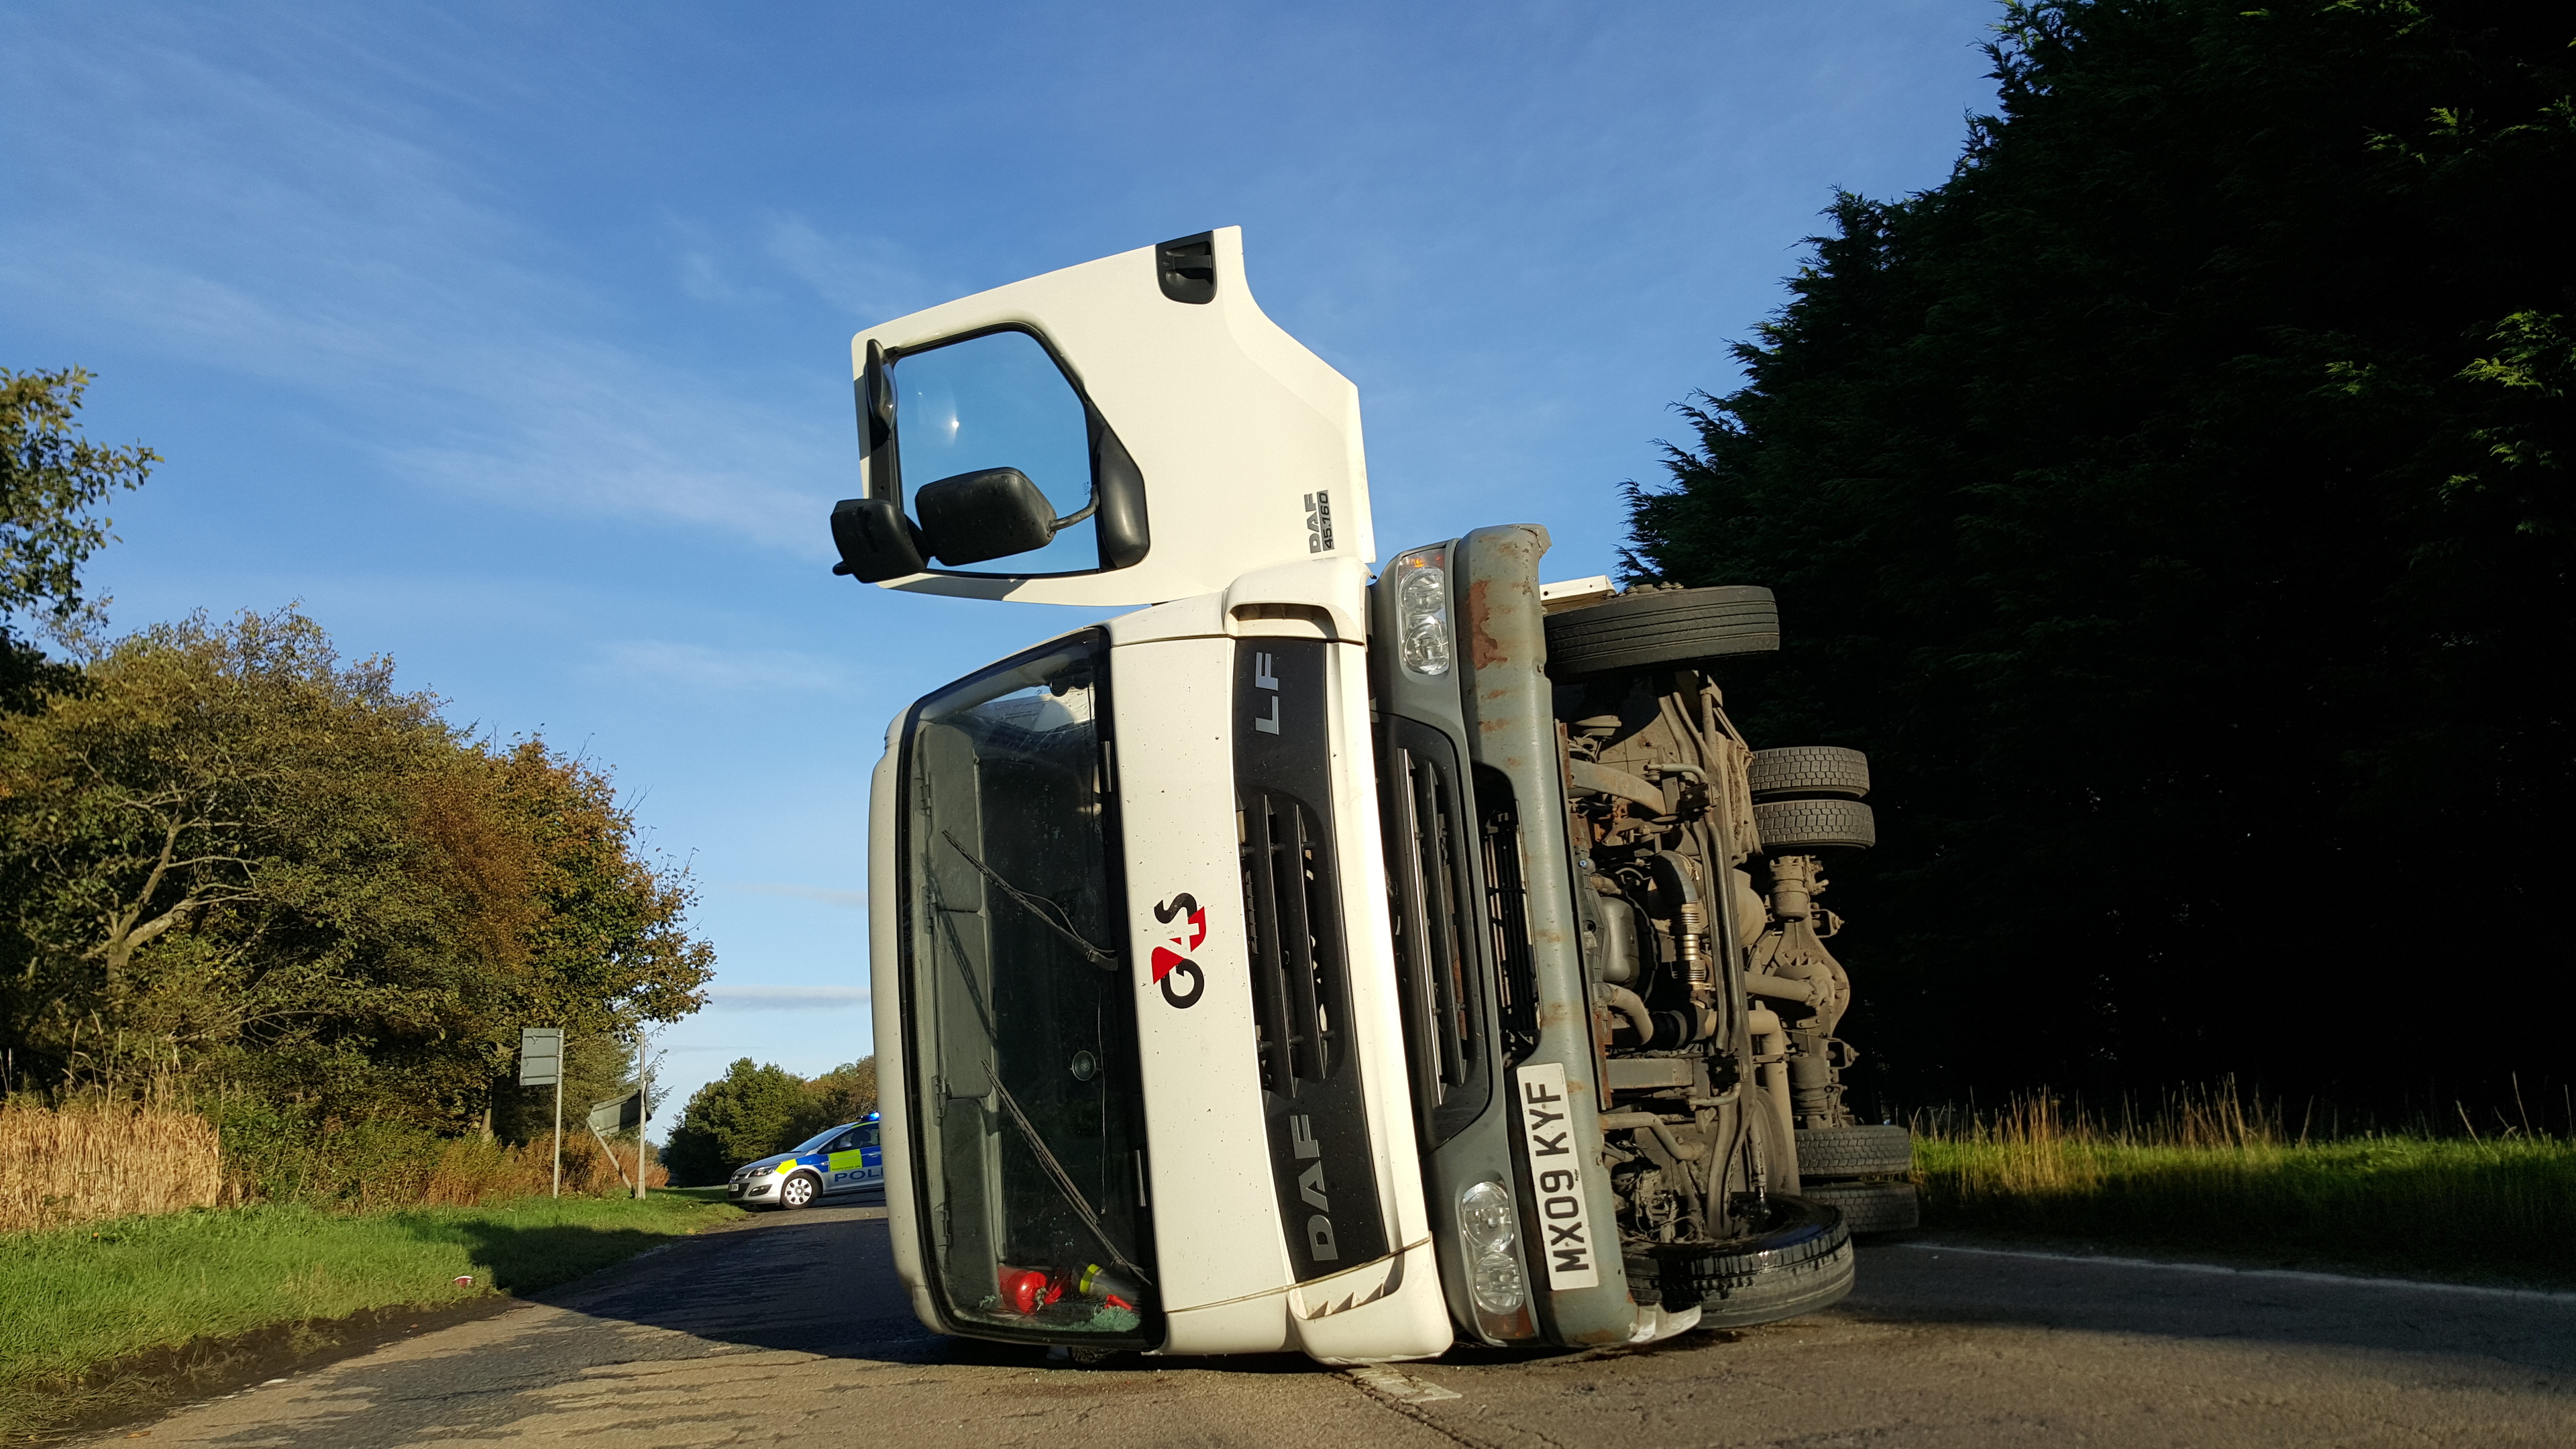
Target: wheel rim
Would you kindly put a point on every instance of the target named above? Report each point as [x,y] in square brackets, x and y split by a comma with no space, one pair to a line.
[1810,1234]
[797,1193]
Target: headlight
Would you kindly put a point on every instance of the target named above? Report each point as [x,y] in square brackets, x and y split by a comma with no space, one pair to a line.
[1421,581]
[1486,1222]
[1496,1282]
[1485,1218]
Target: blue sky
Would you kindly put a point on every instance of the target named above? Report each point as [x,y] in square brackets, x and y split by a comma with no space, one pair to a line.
[512,340]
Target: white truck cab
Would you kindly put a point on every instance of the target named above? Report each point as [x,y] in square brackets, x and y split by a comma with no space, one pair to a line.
[1257,971]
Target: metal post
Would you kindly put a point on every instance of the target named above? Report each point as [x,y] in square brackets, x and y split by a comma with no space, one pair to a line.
[643,1109]
[541,1065]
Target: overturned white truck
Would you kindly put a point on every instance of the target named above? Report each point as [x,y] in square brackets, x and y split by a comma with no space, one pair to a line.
[1317,958]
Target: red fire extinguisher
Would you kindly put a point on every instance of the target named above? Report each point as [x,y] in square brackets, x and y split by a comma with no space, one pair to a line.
[1026,1290]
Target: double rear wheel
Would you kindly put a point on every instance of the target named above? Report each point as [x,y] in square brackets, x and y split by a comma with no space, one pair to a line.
[1863,1171]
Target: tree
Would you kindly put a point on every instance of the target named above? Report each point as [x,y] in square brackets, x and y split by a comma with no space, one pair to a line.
[748,1113]
[846,1093]
[50,480]
[237,862]
[2175,504]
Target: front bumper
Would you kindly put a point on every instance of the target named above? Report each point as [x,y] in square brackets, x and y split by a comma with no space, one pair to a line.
[1495,711]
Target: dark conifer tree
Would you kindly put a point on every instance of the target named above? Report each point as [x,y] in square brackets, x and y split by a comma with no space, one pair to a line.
[2175,503]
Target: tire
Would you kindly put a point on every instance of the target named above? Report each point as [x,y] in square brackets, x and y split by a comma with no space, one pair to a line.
[1793,827]
[1665,628]
[798,1191]
[1872,1207]
[1801,1264]
[1810,770]
[1868,1151]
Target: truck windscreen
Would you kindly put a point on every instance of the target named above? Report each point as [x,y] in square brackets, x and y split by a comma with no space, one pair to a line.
[1018,1001]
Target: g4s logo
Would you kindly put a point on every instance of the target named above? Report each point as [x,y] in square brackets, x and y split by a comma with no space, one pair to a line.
[1170,966]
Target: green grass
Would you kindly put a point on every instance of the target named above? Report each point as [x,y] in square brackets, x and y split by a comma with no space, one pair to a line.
[2480,1210]
[75,1302]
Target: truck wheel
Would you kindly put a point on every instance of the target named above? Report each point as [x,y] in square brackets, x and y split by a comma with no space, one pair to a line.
[1794,827]
[1872,1207]
[1867,1151]
[1809,770]
[797,1191]
[1663,628]
[1802,1263]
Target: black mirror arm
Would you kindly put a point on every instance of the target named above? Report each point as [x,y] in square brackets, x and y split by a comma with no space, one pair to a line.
[1070,519]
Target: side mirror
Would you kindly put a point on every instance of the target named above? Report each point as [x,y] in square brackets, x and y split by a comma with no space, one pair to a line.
[993,513]
[876,541]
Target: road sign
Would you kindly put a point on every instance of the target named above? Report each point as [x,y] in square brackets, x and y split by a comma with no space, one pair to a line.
[541,1065]
[540,1056]
[622,1115]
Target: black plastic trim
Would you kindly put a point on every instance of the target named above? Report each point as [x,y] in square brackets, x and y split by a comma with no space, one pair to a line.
[1440,933]
[1118,492]
[1322,1163]
[1186,267]
[883,475]
[1498,829]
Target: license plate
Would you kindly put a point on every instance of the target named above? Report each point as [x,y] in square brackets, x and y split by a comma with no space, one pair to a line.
[1556,1177]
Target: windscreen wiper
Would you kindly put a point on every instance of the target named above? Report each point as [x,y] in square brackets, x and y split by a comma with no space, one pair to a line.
[1049,914]
[965,964]
[1064,1183]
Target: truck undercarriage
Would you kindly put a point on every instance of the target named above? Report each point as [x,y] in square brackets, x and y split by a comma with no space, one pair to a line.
[1684,945]
[1720,1001]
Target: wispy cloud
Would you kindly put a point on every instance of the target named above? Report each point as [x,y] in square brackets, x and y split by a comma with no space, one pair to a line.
[847,900]
[869,278]
[703,270]
[700,667]
[786,998]
[330,247]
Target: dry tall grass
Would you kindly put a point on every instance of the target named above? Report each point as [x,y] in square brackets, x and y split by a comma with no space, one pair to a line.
[86,1162]
[2042,1144]
[469,1173]
[2210,1170]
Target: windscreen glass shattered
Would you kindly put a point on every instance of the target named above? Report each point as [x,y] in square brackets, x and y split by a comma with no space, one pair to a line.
[1023,1054]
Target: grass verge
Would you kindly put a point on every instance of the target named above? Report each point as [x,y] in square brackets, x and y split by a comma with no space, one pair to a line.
[2499,1209]
[94,1313]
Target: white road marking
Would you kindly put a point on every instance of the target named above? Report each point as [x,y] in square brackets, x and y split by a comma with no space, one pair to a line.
[2292,1274]
[1398,1385]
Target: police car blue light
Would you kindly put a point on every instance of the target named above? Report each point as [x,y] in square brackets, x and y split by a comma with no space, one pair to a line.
[844,1159]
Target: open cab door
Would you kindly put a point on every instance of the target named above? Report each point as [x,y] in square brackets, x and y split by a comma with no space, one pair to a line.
[1124,432]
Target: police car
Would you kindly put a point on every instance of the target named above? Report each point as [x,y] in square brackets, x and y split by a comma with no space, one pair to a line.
[844,1159]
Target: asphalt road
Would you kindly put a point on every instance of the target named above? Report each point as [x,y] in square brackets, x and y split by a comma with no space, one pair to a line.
[791,1330]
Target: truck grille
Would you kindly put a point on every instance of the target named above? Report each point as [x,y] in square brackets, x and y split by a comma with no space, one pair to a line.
[1298,989]
[1314,1100]
[1507,909]
[1436,933]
